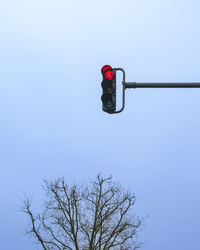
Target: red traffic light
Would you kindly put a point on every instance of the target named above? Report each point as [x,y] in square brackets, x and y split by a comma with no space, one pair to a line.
[107,72]
[109,89]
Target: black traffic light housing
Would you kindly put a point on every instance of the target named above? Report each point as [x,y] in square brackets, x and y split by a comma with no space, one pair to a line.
[109,89]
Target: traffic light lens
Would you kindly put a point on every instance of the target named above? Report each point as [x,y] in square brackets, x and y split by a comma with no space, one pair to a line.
[107,101]
[108,75]
[107,86]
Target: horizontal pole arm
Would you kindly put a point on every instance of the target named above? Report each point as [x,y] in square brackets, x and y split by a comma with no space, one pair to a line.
[162,85]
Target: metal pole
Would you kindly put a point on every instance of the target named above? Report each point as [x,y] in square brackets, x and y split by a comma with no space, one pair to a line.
[135,85]
[162,85]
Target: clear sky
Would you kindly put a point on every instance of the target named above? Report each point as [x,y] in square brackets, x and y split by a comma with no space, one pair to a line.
[52,124]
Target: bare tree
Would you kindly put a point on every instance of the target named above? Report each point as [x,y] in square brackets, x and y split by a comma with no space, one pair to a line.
[98,216]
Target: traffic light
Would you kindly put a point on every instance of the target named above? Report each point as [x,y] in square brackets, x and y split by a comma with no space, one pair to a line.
[109,89]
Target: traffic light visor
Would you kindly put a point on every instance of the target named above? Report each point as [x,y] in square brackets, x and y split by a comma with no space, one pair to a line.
[104,68]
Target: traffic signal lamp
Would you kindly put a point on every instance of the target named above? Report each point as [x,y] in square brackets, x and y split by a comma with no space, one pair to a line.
[109,89]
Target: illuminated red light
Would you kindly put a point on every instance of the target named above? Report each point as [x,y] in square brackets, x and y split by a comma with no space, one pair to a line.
[108,74]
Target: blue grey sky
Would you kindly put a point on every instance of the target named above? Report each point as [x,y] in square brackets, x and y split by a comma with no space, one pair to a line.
[52,124]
